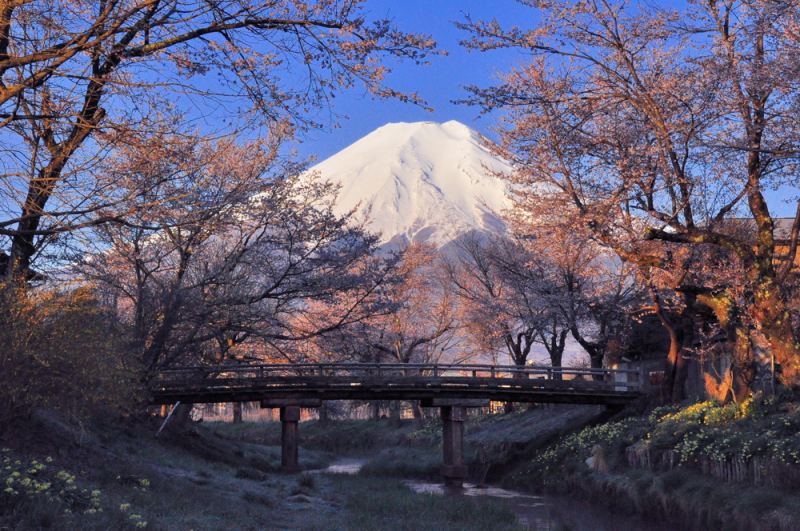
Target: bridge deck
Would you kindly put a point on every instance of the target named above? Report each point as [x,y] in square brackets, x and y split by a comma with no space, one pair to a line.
[362,381]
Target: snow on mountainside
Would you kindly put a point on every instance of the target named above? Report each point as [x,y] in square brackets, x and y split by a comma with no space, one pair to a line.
[421,181]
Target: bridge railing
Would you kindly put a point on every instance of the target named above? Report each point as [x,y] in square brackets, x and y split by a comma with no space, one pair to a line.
[623,379]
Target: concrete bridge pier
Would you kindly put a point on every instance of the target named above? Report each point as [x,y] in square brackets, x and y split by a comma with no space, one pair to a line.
[453,469]
[290,432]
[290,436]
[454,414]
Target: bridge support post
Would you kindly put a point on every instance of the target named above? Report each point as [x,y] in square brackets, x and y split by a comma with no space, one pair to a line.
[453,469]
[290,416]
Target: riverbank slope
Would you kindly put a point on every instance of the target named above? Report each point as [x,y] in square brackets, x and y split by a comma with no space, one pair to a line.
[700,466]
[97,475]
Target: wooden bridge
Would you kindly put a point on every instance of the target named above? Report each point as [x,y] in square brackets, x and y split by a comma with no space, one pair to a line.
[452,387]
[311,382]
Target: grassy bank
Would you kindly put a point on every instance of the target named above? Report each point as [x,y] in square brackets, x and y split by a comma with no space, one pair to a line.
[406,449]
[690,500]
[673,464]
[381,503]
[93,475]
[340,437]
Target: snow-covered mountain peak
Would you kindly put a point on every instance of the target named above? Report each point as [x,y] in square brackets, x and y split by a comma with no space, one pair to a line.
[420,181]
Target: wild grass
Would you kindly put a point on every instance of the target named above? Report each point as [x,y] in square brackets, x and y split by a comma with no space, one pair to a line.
[675,489]
[205,481]
[388,505]
[39,495]
[690,500]
[340,437]
[220,447]
[410,463]
[695,432]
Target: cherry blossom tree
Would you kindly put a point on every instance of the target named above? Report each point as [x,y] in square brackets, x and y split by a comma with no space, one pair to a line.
[235,251]
[79,79]
[654,127]
[418,322]
[505,298]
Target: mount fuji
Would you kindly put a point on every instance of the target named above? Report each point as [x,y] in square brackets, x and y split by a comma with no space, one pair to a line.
[425,182]
[420,182]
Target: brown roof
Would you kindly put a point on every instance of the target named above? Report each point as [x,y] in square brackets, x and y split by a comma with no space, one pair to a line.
[783,226]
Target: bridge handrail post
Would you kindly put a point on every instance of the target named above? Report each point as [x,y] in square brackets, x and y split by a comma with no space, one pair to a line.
[549,374]
[435,371]
[492,371]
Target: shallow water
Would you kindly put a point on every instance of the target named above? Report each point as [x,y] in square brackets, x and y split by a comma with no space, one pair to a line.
[549,513]
[537,513]
[342,466]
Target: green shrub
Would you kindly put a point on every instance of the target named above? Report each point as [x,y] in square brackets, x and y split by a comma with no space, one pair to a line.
[60,352]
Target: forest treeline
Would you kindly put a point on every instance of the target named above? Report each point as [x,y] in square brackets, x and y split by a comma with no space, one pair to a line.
[154,214]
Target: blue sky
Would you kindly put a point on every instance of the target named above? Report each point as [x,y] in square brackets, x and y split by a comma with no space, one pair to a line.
[438,83]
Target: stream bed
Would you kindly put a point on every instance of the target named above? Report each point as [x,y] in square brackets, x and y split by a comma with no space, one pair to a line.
[537,513]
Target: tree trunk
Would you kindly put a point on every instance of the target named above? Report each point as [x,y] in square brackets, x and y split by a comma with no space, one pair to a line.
[555,349]
[687,333]
[182,415]
[743,365]
[237,412]
[775,319]
[376,410]
[323,414]
[670,370]
[555,361]
[681,335]
[739,345]
[596,355]
[770,300]
[419,418]
[595,349]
